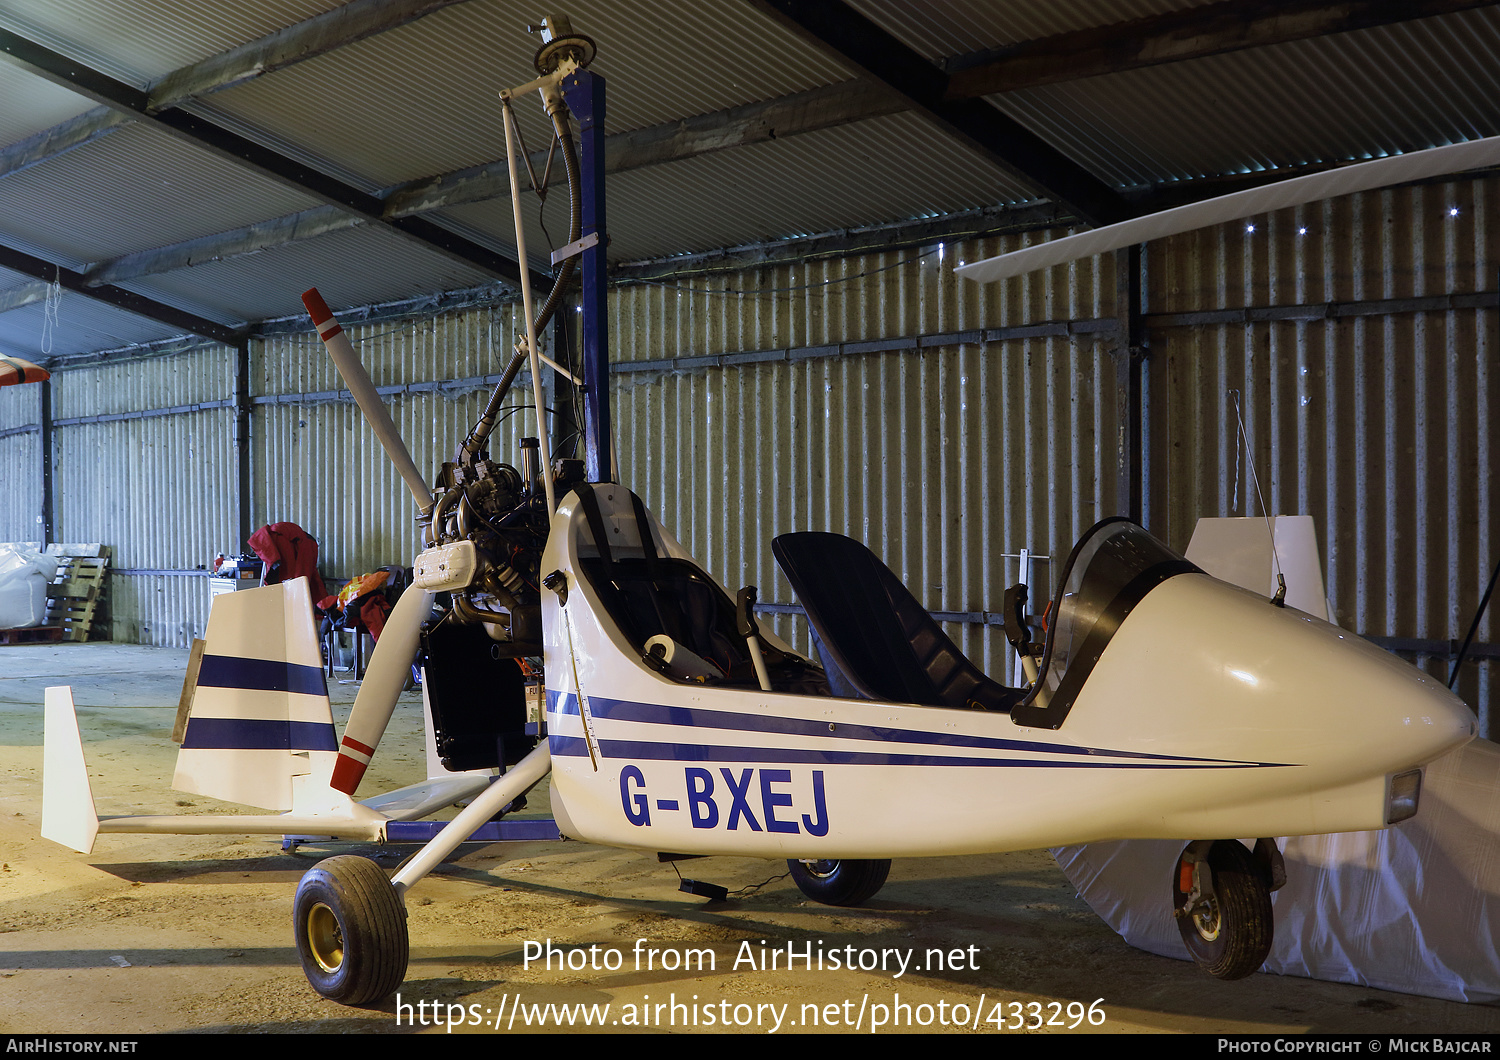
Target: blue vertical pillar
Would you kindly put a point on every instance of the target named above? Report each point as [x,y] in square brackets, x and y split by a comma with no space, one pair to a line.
[584,94]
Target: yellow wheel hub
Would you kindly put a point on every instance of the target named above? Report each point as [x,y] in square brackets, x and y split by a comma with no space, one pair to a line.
[325,938]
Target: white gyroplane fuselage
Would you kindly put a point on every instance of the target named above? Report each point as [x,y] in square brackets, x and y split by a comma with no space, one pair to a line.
[1170,705]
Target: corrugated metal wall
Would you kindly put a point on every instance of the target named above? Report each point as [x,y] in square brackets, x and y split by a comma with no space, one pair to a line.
[942,423]
[943,456]
[317,464]
[20,463]
[1376,416]
[160,489]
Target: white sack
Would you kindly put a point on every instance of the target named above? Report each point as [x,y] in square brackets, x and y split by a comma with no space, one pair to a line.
[1414,908]
[24,576]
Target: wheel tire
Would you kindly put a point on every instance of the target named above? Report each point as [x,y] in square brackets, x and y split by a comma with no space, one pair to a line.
[1232,938]
[840,882]
[351,930]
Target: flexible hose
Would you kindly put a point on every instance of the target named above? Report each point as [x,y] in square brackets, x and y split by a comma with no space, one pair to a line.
[575,226]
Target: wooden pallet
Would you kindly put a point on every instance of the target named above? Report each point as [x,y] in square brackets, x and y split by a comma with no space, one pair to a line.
[74,596]
[32,635]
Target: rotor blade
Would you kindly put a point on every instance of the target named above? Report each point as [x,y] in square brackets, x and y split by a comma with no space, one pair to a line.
[1365,176]
[360,385]
[16,370]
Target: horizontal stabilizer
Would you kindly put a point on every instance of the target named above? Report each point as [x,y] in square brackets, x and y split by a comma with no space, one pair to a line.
[416,801]
[355,823]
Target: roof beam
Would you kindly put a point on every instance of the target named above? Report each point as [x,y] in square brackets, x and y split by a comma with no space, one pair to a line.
[203,134]
[46,271]
[820,108]
[856,40]
[24,295]
[61,138]
[306,40]
[800,112]
[1230,25]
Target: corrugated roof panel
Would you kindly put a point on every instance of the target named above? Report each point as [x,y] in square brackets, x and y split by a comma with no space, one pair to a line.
[83,325]
[133,190]
[10,279]
[939,29]
[886,169]
[1352,96]
[423,99]
[33,105]
[140,42]
[357,266]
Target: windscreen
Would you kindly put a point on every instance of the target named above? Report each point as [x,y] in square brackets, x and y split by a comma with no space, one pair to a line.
[1112,568]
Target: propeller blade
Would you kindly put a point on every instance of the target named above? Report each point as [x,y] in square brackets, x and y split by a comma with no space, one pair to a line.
[16,370]
[384,679]
[365,395]
[1365,176]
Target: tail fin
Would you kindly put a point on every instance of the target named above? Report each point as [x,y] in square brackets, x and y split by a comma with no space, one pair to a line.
[68,815]
[260,717]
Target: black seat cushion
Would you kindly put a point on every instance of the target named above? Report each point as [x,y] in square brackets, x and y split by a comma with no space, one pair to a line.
[883,642]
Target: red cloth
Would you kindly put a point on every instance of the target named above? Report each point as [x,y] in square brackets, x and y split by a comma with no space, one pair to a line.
[373,613]
[288,552]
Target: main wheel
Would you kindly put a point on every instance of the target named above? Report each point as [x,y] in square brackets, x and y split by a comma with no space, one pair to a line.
[351,930]
[1228,933]
[840,882]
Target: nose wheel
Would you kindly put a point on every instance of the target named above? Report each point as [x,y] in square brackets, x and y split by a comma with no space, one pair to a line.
[351,930]
[1222,903]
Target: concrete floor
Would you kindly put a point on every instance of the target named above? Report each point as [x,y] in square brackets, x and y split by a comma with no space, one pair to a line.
[165,933]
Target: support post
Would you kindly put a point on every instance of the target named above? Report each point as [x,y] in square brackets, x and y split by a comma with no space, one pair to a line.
[584,94]
[1130,394]
[242,410]
[48,513]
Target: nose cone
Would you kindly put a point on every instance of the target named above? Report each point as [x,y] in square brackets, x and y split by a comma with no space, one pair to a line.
[1346,705]
[1401,716]
[1207,669]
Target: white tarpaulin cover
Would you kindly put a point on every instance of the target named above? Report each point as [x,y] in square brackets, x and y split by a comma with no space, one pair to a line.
[1414,908]
[24,575]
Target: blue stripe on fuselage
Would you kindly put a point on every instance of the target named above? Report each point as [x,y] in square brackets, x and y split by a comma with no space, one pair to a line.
[642,751]
[698,719]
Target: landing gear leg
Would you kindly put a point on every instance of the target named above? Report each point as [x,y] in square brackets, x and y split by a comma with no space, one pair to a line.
[1222,902]
[350,921]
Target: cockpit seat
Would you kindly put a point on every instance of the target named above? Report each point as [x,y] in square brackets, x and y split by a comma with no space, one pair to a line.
[648,593]
[875,633]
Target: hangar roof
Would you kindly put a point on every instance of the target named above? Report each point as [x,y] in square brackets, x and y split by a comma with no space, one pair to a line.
[187,167]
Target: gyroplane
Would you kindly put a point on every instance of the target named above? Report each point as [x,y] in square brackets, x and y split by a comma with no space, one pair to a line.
[1165,703]
[1161,704]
